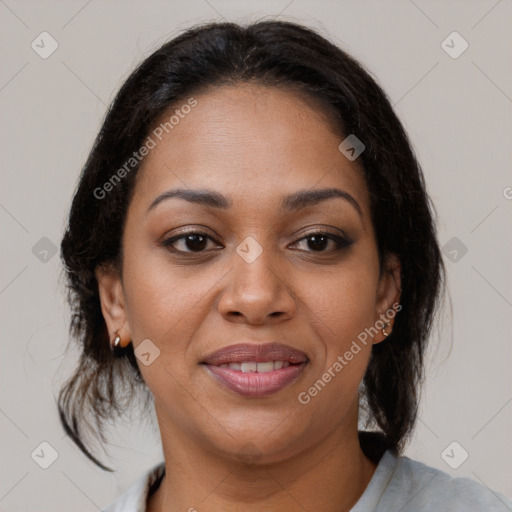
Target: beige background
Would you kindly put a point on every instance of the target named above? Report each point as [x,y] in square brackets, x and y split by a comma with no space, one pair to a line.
[457,112]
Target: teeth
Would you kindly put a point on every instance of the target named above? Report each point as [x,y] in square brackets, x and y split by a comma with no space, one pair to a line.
[264,367]
[251,366]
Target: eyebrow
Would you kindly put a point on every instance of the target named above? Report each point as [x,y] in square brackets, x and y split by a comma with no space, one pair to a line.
[293,202]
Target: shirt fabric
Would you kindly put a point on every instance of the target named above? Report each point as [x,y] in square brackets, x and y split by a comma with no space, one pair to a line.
[399,484]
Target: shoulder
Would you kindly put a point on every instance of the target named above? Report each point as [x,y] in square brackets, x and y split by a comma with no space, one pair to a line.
[135,498]
[414,486]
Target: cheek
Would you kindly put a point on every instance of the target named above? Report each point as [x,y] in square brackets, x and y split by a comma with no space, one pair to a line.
[343,307]
[341,316]
[166,302]
[345,301]
[165,307]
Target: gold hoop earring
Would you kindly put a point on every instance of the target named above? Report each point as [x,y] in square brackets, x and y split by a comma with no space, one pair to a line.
[115,345]
[384,330]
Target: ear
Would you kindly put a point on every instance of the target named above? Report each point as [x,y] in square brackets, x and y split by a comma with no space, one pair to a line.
[388,295]
[112,302]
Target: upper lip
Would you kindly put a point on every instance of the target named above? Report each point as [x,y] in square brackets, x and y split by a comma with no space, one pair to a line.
[257,353]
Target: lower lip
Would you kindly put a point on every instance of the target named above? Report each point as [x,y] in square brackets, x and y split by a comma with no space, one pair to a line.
[256,385]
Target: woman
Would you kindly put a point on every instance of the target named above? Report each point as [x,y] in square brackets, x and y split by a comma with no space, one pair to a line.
[252,248]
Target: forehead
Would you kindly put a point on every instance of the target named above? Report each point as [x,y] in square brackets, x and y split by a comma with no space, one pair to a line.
[247,141]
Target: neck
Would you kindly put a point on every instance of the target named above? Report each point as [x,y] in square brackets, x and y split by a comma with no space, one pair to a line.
[329,475]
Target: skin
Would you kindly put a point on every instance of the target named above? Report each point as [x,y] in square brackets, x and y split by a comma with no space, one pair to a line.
[254,145]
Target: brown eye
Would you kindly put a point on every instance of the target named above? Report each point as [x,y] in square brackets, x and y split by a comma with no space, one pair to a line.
[189,242]
[319,241]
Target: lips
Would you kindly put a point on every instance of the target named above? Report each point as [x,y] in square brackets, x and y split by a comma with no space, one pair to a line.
[256,353]
[255,371]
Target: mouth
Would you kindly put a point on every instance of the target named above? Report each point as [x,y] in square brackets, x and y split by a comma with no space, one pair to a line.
[255,371]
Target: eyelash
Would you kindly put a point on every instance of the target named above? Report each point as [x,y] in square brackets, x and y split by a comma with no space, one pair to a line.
[341,242]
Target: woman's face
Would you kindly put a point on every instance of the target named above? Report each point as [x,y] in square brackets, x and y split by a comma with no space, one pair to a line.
[268,266]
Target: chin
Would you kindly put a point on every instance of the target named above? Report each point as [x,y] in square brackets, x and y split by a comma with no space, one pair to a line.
[261,442]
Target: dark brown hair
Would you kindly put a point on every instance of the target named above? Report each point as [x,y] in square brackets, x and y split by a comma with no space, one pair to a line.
[273,53]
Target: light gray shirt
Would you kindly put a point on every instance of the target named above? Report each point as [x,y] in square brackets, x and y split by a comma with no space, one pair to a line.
[399,484]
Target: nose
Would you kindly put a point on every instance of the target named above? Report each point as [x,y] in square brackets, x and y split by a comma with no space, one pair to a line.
[256,293]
